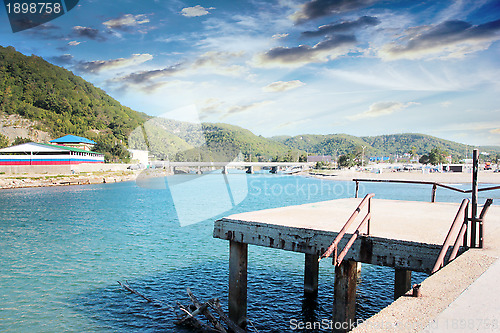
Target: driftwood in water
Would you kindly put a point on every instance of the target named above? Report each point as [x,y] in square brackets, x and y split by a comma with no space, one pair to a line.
[188,314]
[210,317]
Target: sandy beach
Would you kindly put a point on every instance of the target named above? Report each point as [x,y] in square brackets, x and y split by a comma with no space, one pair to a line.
[485,177]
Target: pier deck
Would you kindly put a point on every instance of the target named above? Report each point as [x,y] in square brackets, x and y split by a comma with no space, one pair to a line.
[405,235]
[400,234]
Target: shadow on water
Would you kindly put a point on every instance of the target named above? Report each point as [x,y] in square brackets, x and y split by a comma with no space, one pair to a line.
[275,298]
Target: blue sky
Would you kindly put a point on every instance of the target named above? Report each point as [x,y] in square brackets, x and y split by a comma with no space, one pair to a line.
[361,67]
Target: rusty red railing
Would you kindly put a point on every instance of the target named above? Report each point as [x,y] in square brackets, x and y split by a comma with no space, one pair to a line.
[332,249]
[460,218]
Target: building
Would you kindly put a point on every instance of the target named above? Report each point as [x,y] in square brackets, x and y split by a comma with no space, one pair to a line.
[320,158]
[139,156]
[74,141]
[46,154]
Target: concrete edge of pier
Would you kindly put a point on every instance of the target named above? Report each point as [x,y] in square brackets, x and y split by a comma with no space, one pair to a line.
[454,298]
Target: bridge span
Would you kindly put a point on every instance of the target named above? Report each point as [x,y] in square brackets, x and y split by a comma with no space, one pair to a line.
[250,166]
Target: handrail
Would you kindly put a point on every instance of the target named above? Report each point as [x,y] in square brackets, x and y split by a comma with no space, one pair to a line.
[423,182]
[333,247]
[461,213]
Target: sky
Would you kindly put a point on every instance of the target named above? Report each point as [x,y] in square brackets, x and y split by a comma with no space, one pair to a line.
[361,67]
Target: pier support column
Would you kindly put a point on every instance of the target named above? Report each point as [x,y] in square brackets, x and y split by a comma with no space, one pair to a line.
[311,272]
[402,282]
[238,262]
[344,308]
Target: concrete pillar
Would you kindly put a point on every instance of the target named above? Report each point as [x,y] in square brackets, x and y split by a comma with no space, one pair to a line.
[224,170]
[238,262]
[344,308]
[250,169]
[311,273]
[402,282]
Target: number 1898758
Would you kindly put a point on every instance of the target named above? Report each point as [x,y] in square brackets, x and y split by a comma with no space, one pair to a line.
[34,8]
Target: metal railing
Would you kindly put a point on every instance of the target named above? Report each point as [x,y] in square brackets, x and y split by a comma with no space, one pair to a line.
[476,240]
[434,186]
[461,217]
[337,259]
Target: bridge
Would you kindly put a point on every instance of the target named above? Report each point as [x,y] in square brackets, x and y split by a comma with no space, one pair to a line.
[250,166]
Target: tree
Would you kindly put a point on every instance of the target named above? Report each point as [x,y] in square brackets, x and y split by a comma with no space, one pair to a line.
[18,140]
[437,156]
[4,141]
[347,160]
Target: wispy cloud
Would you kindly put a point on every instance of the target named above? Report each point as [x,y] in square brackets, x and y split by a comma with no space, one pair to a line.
[101,65]
[145,77]
[196,11]
[126,22]
[319,8]
[381,109]
[448,39]
[280,86]
[343,27]
[323,51]
[89,33]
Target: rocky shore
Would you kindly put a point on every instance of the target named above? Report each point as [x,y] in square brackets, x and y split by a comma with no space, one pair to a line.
[44,180]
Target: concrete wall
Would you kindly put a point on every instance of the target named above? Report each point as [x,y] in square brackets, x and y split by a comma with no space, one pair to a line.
[36,169]
[62,169]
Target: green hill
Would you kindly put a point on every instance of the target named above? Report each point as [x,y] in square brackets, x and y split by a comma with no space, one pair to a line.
[63,103]
[381,145]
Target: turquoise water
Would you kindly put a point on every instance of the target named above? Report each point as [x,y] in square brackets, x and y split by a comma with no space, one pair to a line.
[62,249]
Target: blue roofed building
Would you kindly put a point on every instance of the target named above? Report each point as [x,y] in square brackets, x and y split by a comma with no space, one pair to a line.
[74,141]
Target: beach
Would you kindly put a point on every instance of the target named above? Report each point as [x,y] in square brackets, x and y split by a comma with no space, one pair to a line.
[485,177]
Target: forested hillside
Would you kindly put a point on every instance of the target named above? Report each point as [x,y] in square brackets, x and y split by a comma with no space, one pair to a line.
[63,103]
[381,145]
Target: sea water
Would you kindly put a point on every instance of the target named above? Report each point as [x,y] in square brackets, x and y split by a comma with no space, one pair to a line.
[63,249]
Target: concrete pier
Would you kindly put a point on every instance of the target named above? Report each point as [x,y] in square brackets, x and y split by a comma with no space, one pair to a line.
[405,235]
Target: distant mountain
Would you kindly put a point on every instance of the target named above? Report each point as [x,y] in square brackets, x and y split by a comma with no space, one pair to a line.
[382,145]
[62,103]
[183,141]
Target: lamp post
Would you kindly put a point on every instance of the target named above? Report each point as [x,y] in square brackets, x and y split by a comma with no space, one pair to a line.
[363,157]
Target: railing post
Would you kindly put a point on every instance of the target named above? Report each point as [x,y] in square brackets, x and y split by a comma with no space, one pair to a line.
[486,206]
[369,212]
[475,167]
[434,188]
[466,221]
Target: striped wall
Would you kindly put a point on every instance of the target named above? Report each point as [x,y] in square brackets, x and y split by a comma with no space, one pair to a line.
[49,159]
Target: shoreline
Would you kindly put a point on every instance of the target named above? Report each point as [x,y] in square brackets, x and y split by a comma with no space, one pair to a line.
[484,177]
[10,181]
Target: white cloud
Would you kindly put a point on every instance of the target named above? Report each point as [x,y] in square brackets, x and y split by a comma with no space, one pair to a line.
[280,86]
[195,11]
[279,36]
[381,109]
[100,65]
[126,21]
